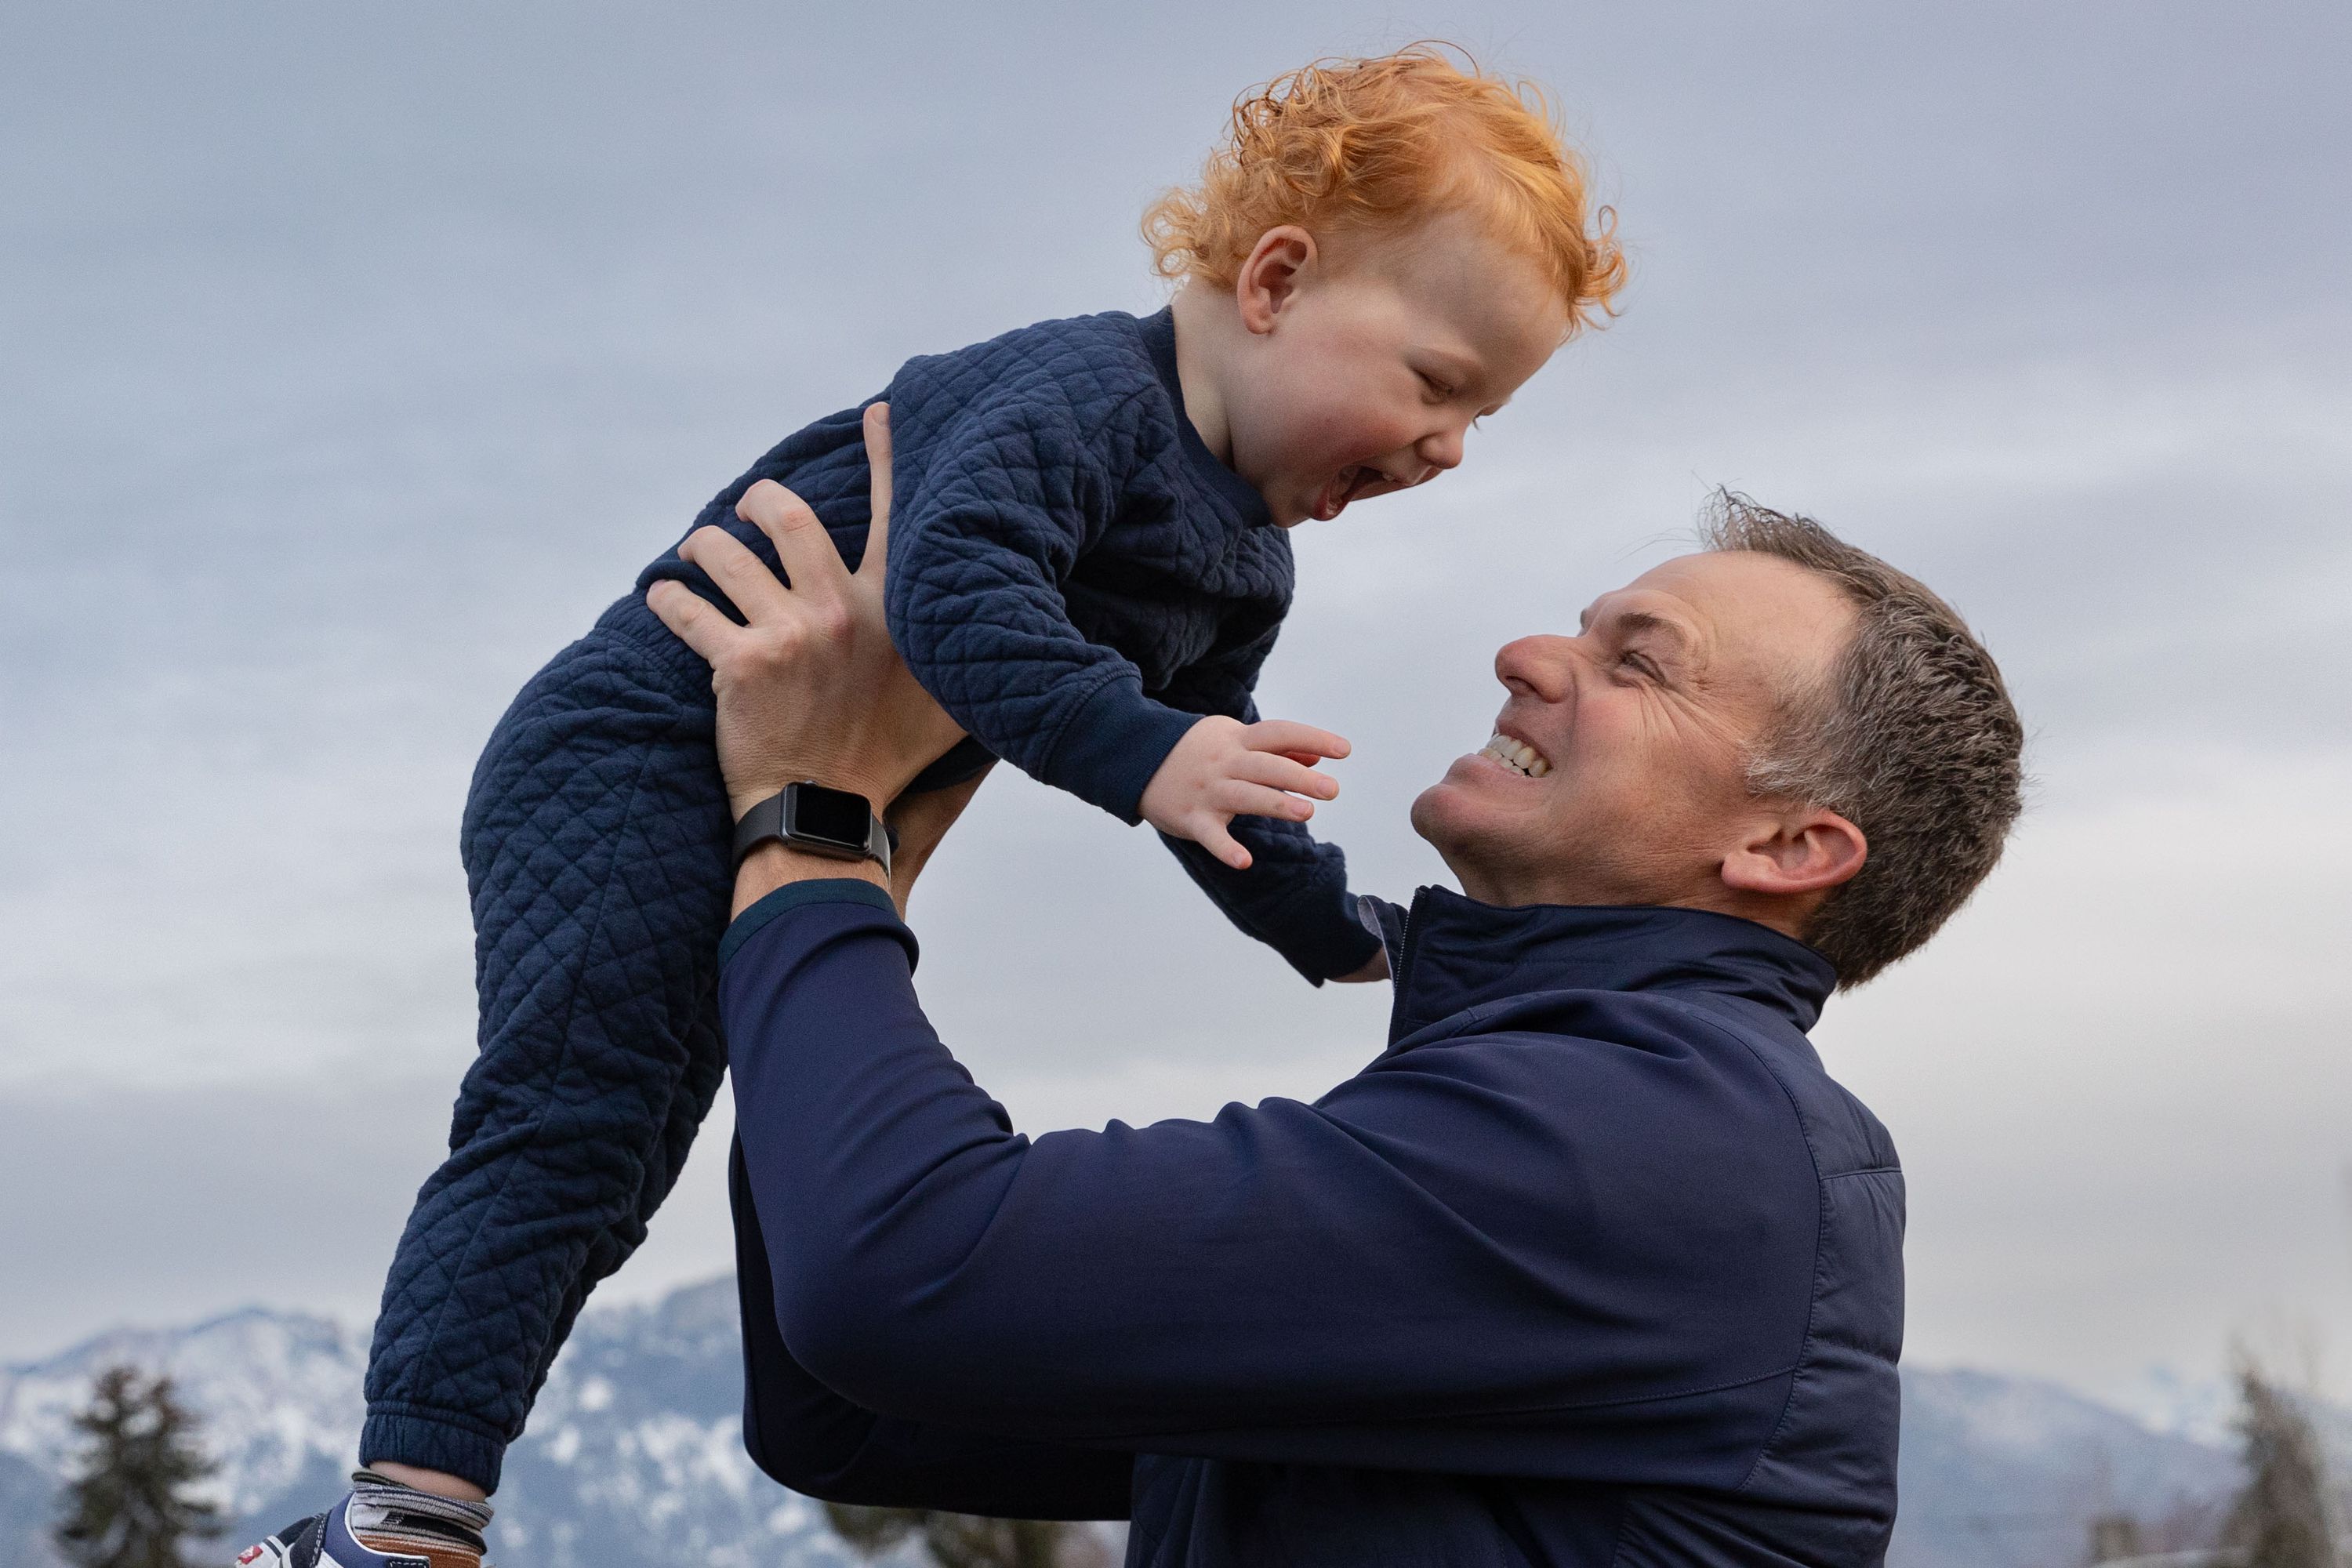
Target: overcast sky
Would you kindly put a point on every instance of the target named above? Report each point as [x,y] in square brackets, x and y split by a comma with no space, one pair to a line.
[354,357]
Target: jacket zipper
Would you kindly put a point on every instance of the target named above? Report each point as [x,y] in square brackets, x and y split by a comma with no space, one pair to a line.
[1404,966]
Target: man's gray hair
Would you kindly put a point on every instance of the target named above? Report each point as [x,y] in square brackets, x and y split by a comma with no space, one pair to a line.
[1912,739]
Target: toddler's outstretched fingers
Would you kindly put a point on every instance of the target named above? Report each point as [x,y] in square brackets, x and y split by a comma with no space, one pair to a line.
[1283,770]
[1213,838]
[1303,743]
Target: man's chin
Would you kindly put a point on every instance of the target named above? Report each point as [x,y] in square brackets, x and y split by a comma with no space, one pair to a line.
[1449,813]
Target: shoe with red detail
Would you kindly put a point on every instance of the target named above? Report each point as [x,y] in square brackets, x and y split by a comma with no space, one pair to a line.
[381,1524]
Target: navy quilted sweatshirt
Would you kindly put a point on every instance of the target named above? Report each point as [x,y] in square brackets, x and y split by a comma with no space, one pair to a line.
[1072,575]
[1593,1267]
[1077,579]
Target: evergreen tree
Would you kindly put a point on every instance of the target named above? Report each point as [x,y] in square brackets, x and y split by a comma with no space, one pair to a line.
[2280,1521]
[130,1508]
[967,1540]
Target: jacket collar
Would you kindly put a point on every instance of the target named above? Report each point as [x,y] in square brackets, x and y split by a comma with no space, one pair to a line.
[1449,954]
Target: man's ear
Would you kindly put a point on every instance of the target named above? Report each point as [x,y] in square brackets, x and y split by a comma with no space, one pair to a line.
[1269,279]
[1808,851]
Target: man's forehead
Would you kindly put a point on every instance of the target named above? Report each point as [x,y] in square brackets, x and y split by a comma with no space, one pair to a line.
[1750,605]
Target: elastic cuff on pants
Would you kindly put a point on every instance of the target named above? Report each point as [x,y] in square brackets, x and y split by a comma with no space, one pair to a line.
[433,1444]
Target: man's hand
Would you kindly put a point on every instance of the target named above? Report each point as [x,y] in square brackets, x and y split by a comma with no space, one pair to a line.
[1223,768]
[811,689]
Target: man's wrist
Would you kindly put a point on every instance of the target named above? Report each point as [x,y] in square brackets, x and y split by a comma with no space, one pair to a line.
[777,864]
[739,801]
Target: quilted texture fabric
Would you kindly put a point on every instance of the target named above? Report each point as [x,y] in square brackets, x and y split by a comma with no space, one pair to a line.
[1077,579]
[1073,576]
[595,843]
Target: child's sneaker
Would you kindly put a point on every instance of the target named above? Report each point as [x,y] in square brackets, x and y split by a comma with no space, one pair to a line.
[381,1524]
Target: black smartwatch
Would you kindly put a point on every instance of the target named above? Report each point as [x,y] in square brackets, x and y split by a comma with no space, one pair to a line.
[830,822]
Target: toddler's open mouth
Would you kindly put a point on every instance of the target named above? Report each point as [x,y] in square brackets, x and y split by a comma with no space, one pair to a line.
[1344,487]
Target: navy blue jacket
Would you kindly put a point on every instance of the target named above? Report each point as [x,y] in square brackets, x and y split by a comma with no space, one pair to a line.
[1594,1264]
[1078,580]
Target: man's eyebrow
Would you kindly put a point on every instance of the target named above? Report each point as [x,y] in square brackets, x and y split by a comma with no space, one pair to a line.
[1638,621]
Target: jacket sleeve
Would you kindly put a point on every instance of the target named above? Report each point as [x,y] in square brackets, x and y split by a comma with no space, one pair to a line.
[995,498]
[1419,1270]
[1294,897]
[821,1445]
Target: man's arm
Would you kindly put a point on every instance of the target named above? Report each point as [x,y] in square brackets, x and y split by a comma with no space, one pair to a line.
[821,1445]
[1430,1267]
[1495,1255]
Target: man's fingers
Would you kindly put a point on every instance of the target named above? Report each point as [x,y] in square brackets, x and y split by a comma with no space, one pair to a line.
[1281,735]
[1285,772]
[697,622]
[742,577]
[811,562]
[765,502]
[878,465]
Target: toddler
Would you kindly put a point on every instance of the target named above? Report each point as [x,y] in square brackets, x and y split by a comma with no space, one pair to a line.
[1089,562]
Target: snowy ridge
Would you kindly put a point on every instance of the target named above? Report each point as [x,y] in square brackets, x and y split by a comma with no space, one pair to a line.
[634,1456]
[279,1392]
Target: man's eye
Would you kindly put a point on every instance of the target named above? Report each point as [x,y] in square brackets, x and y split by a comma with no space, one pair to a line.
[1638,663]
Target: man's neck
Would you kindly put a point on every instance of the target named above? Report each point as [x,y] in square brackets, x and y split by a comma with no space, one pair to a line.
[1205,321]
[1788,915]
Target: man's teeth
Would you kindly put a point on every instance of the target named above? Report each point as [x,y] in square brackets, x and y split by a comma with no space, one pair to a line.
[1516,755]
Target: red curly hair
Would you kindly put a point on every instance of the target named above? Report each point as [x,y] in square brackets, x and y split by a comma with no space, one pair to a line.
[1385,144]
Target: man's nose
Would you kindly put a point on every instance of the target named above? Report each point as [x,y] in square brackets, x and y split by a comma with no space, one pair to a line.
[1542,666]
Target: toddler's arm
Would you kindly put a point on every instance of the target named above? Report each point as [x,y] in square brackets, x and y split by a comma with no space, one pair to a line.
[1292,891]
[995,504]
[996,500]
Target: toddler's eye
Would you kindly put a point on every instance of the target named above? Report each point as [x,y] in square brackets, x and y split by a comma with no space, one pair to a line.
[1437,388]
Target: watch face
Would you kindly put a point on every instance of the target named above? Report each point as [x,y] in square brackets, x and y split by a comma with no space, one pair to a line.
[827,817]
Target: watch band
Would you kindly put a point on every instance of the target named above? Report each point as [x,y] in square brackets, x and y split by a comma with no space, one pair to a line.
[808,816]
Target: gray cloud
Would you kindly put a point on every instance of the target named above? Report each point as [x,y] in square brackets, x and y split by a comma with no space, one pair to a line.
[357,358]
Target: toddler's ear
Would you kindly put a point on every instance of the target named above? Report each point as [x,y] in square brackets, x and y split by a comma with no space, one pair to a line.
[1269,279]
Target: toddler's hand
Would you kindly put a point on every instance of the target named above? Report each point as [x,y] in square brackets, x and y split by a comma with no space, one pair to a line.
[1223,768]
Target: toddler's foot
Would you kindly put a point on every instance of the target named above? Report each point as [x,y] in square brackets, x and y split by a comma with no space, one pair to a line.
[381,1524]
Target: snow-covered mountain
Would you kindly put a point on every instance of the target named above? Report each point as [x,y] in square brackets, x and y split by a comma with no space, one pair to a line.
[634,1460]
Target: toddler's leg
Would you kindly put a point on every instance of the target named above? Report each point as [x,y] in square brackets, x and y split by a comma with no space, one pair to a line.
[597,851]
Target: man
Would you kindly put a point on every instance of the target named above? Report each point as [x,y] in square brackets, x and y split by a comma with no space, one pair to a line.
[1592,1265]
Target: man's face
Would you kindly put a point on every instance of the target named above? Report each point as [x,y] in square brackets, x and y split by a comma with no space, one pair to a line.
[1617,774]
[1379,363]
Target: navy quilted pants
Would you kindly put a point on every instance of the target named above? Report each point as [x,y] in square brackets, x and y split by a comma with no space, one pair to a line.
[596,844]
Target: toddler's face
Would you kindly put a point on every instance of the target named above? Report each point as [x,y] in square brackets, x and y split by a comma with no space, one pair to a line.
[1375,368]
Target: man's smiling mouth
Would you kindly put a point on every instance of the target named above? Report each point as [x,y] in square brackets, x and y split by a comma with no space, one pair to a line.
[1516,755]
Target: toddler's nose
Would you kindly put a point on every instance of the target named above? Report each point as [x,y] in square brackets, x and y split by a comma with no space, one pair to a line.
[1440,449]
